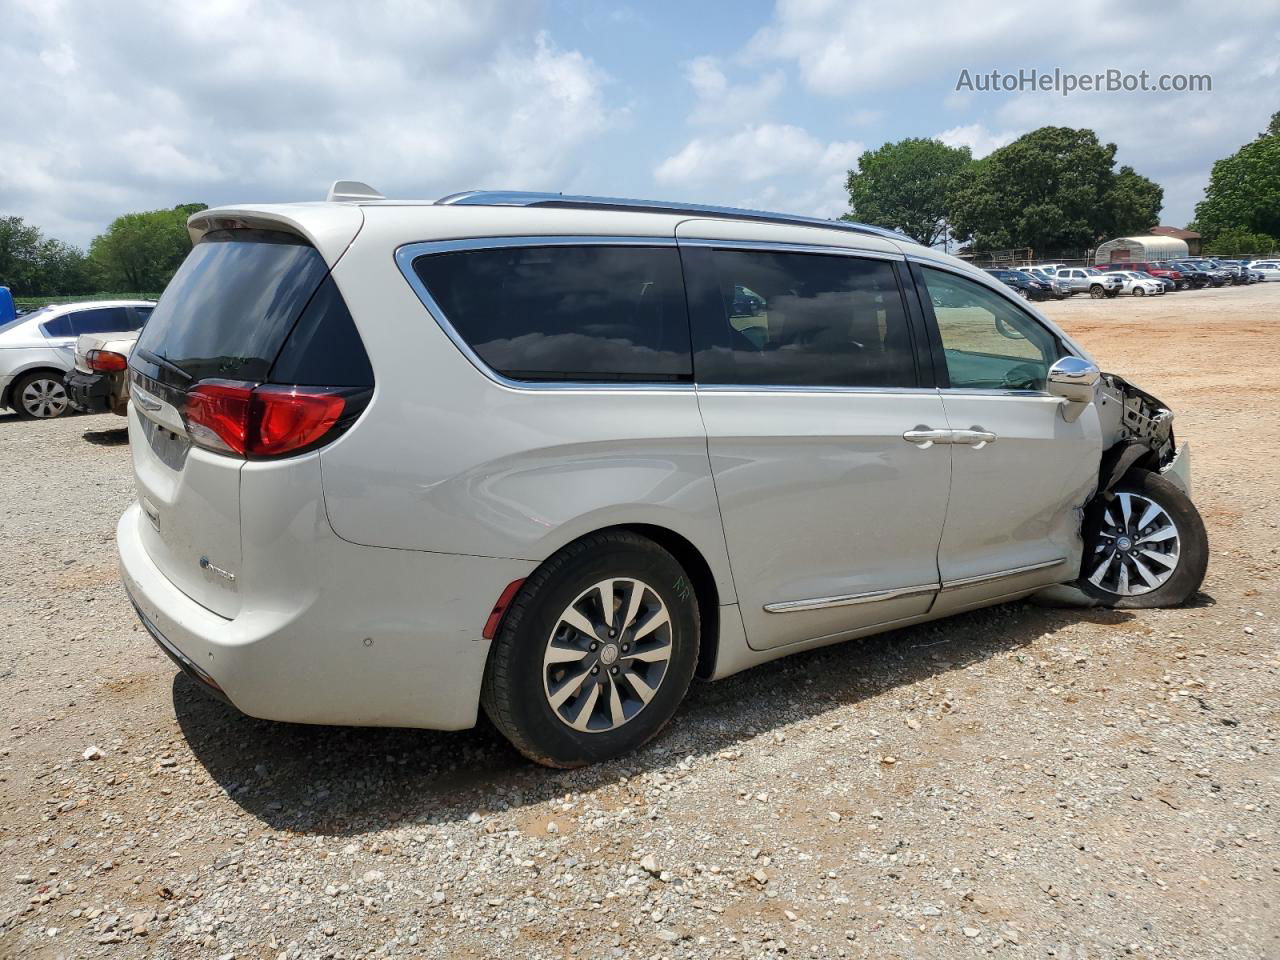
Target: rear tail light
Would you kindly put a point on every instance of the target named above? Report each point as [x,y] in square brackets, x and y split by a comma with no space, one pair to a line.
[267,420]
[106,361]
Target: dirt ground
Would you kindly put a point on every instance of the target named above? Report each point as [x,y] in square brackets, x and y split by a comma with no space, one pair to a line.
[1024,780]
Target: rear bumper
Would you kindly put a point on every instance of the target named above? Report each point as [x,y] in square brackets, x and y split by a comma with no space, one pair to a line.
[90,392]
[388,638]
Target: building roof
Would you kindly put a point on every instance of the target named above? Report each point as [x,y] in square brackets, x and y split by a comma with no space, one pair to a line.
[1176,232]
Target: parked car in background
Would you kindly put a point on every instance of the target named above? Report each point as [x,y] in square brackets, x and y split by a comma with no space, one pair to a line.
[1198,275]
[1093,282]
[100,381]
[1216,270]
[1163,269]
[1241,269]
[1268,269]
[513,451]
[1061,289]
[1024,285]
[1138,284]
[37,350]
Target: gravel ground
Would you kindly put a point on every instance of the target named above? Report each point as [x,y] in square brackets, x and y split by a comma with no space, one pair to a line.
[1027,780]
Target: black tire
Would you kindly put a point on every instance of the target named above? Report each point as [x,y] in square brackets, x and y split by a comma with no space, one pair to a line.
[24,411]
[513,695]
[1193,555]
[1097,292]
[1112,294]
[1139,292]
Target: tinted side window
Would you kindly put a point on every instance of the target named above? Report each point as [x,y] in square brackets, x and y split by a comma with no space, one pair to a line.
[324,348]
[59,327]
[567,313]
[989,343]
[801,319]
[140,316]
[102,320]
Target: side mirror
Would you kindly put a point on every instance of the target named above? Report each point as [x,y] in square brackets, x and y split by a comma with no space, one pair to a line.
[1073,380]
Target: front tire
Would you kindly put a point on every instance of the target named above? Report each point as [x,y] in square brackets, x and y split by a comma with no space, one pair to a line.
[1144,545]
[1097,292]
[40,395]
[1139,292]
[595,653]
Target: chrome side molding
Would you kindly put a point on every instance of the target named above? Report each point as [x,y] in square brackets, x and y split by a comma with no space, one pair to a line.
[823,603]
[875,596]
[1001,574]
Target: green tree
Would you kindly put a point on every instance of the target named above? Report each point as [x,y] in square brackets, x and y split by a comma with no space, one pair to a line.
[1132,204]
[907,186]
[1244,189]
[141,251]
[19,242]
[1053,189]
[1237,240]
[34,265]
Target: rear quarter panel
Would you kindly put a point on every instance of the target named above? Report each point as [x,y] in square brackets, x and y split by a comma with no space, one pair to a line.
[445,459]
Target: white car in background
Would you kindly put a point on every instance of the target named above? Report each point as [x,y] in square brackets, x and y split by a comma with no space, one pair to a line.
[100,381]
[1270,269]
[1138,284]
[37,350]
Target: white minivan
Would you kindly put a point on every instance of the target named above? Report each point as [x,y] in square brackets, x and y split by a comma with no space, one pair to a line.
[558,455]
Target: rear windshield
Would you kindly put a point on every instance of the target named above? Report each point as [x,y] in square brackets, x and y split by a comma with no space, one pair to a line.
[228,309]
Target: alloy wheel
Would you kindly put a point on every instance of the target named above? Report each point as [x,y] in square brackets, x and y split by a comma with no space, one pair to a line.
[607,655]
[1137,549]
[44,398]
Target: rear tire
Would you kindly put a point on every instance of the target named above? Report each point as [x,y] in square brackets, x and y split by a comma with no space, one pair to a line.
[1126,561]
[40,395]
[543,668]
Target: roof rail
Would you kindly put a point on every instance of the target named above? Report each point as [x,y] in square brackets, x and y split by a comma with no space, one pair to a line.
[517,198]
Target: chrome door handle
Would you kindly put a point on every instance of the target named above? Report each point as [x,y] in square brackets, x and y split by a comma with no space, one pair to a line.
[974,437]
[926,437]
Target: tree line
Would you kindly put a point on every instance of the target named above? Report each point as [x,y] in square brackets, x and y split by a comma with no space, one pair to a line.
[1057,191]
[137,253]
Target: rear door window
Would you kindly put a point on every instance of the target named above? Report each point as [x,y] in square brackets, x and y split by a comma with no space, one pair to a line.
[102,320]
[567,313]
[813,320]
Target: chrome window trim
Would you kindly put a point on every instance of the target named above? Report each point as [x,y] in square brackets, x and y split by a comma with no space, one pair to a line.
[406,254]
[849,600]
[1000,575]
[780,246]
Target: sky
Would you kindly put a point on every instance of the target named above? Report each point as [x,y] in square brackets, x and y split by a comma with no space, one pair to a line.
[107,108]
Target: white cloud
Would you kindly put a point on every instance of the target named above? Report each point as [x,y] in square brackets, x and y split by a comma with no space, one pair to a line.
[721,103]
[118,107]
[842,47]
[976,137]
[769,164]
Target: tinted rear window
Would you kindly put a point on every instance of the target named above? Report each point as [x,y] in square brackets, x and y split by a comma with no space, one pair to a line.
[567,313]
[232,303]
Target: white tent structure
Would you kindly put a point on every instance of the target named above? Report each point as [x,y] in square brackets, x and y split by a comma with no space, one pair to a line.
[1141,249]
